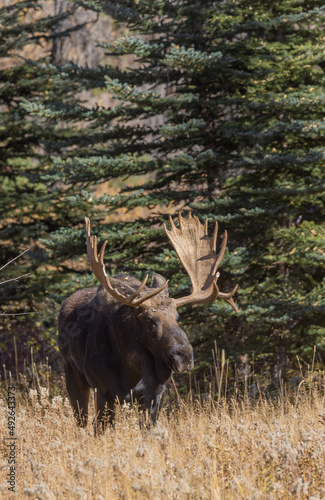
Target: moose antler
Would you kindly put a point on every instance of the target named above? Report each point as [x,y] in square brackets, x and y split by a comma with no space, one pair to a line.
[197,252]
[98,268]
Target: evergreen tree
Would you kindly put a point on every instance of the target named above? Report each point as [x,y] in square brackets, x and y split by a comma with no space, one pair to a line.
[236,91]
[28,209]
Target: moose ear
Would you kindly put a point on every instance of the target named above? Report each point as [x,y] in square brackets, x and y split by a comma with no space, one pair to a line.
[158,281]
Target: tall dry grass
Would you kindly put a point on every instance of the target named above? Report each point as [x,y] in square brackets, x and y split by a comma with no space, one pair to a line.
[199,449]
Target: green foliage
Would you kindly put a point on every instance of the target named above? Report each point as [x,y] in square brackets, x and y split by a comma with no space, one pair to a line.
[29,208]
[222,113]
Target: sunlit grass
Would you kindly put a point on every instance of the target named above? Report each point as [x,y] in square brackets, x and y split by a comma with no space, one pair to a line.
[204,446]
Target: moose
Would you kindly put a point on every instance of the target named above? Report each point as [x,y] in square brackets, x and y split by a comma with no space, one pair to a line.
[122,338]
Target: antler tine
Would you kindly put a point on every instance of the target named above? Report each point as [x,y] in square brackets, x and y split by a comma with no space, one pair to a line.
[98,268]
[228,297]
[150,295]
[94,247]
[214,236]
[179,220]
[206,226]
[87,222]
[172,225]
[221,253]
[139,290]
[101,253]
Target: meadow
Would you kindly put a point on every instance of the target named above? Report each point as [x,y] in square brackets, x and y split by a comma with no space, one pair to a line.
[203,447]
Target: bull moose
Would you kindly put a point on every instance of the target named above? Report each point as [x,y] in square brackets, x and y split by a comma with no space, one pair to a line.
[122,338]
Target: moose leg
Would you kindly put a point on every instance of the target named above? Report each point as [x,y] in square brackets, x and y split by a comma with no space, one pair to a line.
[105,412]
[78,394]
[136,393]
[153,392]
[148,393]
[155,375]
[153,398]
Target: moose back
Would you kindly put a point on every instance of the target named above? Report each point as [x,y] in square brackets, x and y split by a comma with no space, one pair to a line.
[123,338]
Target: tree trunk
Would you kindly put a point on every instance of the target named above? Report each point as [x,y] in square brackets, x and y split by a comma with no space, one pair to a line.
[279,364]
[73,38]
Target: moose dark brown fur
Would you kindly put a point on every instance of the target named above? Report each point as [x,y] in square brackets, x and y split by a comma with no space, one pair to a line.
[122,338]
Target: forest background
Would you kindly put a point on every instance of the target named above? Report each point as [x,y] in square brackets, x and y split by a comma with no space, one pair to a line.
[128,111]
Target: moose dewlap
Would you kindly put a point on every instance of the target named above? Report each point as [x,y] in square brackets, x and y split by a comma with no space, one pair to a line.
[123,338]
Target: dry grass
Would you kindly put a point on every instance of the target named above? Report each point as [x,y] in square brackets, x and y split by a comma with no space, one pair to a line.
[230,450]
